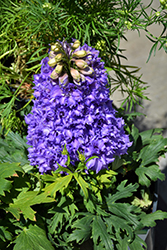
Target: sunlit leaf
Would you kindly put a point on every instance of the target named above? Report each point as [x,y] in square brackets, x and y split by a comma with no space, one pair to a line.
[32,238]
[59,184]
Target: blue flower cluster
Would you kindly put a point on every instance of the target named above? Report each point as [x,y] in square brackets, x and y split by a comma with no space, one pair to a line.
[78,116]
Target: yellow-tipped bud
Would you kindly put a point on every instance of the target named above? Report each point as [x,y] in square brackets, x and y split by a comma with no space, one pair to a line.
[59,68]
[76,44]
[81,63]
[59,57]
[56,47]
[75,74]
[52,62]
[54,75]
[80,53]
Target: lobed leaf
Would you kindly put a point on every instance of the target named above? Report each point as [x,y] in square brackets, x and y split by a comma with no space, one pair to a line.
[5,234]
[119,225]
[123,191]
[146,174]
[32,238]
[99,233]
[148,220]
[6,171]
[59,184]
[82,230]
[127,212]
[150,153]
[24,201]
[137,243]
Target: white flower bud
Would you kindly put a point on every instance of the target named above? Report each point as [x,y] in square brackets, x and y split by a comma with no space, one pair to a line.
[76,44]
[59,68]
[75,74]
[52,62]
[81,63]
[80,53]
[59,57]
[56,47]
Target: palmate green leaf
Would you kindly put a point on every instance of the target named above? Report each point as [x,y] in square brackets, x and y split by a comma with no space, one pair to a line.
[152,150]
[99,247]
[82,230]
[99,232]
[7,170]
[5,185]
[103,176]
[122,244]
[146,174]
[119,224]
[126,211]
[59,184]
[148,220]
[152,134]
[24,201]
[123,191]
[137,243]
[32,238]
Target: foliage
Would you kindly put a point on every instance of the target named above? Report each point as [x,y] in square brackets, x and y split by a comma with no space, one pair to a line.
[65,208]
[27,27]
[56,211]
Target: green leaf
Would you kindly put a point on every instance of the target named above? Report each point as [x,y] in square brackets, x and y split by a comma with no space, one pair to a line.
[4,234]
[82,184]
[123,192]
[92,157]
[7,170]
[61,168]
[24,201]
[152,134]
[83,229]
[104,175]
[57,221]
[148,220]
[32,238]
[36,52]
[127,212]
[152,151]
[146,174]
[99,232]
[16,140]
[137,243]
[117,163]
[13,149]
[59,184]
[119,224]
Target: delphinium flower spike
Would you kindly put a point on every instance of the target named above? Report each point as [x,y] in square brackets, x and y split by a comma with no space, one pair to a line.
[72,107]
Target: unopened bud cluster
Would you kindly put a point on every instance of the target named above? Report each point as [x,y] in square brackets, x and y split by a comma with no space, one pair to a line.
[68,60]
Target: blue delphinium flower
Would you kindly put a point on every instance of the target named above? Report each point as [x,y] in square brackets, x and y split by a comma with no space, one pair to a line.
[72,107]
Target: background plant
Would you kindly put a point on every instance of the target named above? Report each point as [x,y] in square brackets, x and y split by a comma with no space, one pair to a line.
[27,27]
